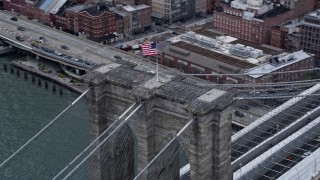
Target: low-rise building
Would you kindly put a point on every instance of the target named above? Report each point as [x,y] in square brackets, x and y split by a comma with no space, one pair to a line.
[299,34]
[105,22]
[282,68]
[310,34]
[94,21]
[140,18]
[209,53]
[252,20]
[172,11]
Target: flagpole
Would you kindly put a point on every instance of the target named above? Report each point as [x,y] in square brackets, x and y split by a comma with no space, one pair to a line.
[157,71]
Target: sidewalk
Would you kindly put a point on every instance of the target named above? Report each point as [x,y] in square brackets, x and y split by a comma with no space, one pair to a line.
[32,67]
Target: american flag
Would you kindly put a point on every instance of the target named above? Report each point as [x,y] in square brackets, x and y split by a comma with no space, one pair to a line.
[149,49]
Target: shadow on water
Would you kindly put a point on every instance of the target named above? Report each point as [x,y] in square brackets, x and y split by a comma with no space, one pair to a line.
[27,104]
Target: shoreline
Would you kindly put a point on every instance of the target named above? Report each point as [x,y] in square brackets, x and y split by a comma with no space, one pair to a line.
[78,88]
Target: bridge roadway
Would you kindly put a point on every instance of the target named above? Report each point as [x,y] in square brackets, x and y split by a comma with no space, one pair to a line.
[272,136]
[84,49]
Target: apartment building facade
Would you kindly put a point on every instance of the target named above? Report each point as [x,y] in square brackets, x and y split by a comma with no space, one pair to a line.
[310,34]
[172,11]
[253,20]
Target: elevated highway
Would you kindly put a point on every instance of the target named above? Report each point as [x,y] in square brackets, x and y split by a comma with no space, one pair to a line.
[275,145]
[79,48]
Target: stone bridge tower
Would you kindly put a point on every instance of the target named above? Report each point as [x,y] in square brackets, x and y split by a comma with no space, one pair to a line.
[167,106]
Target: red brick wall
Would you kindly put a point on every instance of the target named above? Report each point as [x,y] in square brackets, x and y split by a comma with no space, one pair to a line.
[18,6]
[145,18]
[96,26]
[275,37]
[256,30]
[305,64]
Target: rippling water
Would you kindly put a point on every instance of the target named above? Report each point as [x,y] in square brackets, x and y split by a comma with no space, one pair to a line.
[26,107]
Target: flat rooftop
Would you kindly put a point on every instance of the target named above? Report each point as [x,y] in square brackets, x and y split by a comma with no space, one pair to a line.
[274,12]
[213,55]
[266,49]
[283,62]
[207,33]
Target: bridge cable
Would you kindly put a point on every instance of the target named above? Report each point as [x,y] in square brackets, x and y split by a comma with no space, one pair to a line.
[93,142]
[101,143]
[163,149]
[43,129]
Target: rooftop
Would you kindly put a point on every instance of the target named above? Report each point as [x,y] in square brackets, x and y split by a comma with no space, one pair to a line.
[79,8]
[130,8]
[207,33]
[97,11]
[231,47]
[265,48]
[65,5]
[278,10]
[315,14]
[56,7]
[213,55]
[282,62]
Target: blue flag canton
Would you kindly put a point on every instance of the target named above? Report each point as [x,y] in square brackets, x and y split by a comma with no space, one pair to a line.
[153,45]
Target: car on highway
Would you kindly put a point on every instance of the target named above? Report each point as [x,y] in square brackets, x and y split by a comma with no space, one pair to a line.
[117,57]
[304,155]
[19,38]
[313,104]
[36,43]
[75,59]
[239,114]
[175,33]
[317,138]
[21,28]
[42,39]
[65,47]
[244,107]
[14,18]
[57,53]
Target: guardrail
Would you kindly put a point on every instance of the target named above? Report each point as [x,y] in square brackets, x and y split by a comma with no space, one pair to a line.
[85,64]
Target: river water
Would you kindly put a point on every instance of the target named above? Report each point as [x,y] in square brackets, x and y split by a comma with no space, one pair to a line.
[26,107]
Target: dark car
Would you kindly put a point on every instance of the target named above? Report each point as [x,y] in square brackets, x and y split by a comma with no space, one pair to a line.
[20,38]
[42,39]
[239,114]
[65,47]
[244,107]
[176,33]
[117,57]
[21,28]
[313,104]
[14,18]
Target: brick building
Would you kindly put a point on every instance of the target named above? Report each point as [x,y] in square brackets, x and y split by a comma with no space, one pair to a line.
[206,52]
[285,35]
[253,20]
[173,11]
[18,6]
[94,21]
[296,35]
[102,22]
[211,5]
[310,34]
[275,69]
[140,18]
